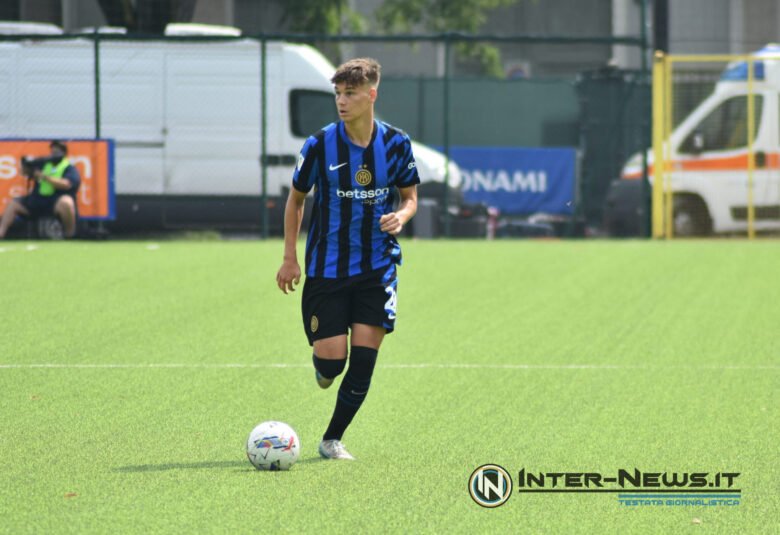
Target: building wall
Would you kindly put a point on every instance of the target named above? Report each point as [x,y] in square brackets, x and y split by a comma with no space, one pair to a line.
[699,26]
[760,25]
[695,27]
[627,21]
[220,12]
[77,14]
[41,11]
[553,17]
[525,17]
[257,16]
[722,26]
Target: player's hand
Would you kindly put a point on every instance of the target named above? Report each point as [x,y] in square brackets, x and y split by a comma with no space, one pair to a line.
[38,175]
[288,276]
[391,223]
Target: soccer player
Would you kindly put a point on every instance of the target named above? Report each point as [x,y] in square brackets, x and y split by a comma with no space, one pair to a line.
[351,249]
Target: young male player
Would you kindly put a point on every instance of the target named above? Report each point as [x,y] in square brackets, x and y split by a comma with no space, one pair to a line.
[351,250]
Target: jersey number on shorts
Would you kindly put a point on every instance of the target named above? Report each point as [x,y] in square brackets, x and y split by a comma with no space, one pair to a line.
[391,303]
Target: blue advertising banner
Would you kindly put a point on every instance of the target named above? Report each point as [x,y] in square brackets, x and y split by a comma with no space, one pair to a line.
[518,180]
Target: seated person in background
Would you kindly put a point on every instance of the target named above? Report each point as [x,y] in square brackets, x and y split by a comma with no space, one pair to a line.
[54,194]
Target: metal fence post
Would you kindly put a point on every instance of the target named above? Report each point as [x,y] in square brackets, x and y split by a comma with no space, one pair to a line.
[659,152]
[751,163]
[263,133]
[446,123]
[645,221]
[96,42]
[667,134]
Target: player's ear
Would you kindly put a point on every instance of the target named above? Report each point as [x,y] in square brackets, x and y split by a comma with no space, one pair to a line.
[372,93]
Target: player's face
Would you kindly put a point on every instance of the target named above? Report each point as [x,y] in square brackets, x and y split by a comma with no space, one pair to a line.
[353,102]
[56,153]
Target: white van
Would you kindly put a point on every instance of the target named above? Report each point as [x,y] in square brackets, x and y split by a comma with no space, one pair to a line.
[709,154]
[186,120]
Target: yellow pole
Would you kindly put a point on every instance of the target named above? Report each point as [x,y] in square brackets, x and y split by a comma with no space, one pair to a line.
[668,99]
[751,122]
[658,144]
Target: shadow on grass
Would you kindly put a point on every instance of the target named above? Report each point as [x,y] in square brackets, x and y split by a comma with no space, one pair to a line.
[207,465]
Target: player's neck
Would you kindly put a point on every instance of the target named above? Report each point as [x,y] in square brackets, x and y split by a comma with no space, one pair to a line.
[360,129]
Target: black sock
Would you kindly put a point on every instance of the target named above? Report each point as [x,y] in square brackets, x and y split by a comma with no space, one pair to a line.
[352,391]
[329,368]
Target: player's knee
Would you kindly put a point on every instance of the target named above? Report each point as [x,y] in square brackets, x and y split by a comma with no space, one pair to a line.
[65,205]
[329,368]
[14,207]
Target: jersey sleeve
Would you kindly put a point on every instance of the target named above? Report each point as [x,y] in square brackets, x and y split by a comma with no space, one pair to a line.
[72,175]
[407,170]
[305,174]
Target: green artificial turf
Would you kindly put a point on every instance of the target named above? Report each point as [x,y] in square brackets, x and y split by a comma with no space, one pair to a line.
[131,374]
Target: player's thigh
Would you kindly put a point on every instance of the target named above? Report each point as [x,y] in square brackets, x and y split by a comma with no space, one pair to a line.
[367,335]
[19,206]
[325,314]
[334,347]
[65,205]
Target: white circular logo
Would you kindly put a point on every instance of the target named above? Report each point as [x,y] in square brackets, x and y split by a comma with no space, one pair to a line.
[490,485]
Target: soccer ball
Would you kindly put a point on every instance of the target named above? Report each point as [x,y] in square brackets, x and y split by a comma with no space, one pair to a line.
[273,446]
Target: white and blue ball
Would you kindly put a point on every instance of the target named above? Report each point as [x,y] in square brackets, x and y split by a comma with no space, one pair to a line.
[273,446]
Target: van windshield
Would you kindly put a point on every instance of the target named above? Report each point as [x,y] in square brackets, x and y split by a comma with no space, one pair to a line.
[725,128]
[310,110]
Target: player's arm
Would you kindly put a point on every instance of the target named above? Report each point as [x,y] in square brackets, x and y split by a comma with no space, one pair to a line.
[304,178]
[58,183]
[394,222]
[293,215]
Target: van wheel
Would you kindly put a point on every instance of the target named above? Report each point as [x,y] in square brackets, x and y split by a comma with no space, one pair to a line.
[691,217]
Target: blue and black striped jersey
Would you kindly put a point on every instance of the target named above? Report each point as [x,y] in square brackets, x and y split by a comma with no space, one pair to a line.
[352,191]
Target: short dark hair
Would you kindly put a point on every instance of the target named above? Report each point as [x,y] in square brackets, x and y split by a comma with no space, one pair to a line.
[59,144]
[357,72]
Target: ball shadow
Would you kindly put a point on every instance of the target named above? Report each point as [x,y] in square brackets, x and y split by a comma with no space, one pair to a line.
[239,465]
[180,466]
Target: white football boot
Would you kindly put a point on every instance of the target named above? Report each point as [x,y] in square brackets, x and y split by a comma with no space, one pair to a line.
[324,382]
[334,449]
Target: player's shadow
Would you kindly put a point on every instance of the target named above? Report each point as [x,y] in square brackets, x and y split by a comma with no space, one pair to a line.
[207,465]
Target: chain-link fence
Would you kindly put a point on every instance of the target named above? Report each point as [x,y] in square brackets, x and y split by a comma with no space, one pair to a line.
[207,129]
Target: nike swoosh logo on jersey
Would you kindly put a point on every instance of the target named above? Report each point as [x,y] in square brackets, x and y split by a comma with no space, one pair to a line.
[334,167]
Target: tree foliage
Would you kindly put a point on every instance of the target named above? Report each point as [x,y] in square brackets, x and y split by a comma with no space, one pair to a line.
[438,16]
[331,17]
[323,17]
[326,17]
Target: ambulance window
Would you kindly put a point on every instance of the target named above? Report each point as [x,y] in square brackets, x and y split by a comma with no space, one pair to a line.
[310,111]
[724,128]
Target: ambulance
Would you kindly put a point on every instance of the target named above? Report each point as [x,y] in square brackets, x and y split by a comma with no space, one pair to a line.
[709,154]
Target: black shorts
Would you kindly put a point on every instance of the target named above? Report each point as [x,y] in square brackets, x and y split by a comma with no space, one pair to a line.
[38,205]
[331,306]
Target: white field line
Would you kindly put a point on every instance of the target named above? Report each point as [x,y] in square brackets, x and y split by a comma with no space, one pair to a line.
[385,366]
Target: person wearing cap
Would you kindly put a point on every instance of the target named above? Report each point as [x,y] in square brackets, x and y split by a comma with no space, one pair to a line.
[56,183]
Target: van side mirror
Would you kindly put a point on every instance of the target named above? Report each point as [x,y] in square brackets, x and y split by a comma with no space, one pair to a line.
[698,142]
